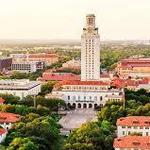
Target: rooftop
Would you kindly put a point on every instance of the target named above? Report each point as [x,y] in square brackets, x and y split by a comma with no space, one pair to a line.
[9,117]
[142,62]
[134,121]
[60,76]
[78,82]
[22,84]
[140,142]
[122,83]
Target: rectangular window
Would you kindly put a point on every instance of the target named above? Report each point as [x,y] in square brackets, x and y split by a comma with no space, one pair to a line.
[123,132]
[146,133]
[95,97]
[68,97]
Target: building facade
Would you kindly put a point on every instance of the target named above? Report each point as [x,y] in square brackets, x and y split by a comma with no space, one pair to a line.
[5,63]
[48,59]
[132,143]
[27,67]
[86,94]
[134,67]
[133,124]
[20,88]
[90,51]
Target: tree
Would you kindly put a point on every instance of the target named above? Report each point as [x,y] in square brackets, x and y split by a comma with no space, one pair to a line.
[22,144]
[9,98]
[91,136]
[47,87]
[42,131]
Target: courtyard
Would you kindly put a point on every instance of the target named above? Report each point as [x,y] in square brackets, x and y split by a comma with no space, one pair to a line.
[75,118]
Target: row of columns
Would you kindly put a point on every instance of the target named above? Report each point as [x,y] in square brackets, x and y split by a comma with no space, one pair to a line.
[82,105]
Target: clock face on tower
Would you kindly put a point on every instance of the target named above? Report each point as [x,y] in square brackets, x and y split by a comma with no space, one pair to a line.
[90,21]
[89,30]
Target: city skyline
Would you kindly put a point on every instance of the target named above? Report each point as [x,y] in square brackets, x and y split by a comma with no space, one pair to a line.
[117,20]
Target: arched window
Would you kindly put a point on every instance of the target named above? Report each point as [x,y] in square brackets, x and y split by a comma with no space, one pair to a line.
[68,97]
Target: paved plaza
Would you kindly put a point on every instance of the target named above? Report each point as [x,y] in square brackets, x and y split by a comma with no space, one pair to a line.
[75,118]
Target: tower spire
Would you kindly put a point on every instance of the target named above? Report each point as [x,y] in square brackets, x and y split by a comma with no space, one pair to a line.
[90,51]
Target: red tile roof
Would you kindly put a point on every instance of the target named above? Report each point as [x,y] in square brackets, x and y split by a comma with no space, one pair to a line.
[59,76]
[134,121]
[140,142]
[117,82]
[78,82]
[9,117]
[122,83]
[1,100]
[129,63]
[2,131]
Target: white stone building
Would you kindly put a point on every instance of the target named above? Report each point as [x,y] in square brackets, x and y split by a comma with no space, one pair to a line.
[90,51]
[133,124]
[21,88]
[86,94]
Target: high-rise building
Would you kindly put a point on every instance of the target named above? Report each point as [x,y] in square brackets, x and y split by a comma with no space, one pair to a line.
[90,51]
[90,91]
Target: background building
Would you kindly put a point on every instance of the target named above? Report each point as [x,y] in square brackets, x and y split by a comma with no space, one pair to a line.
[27,67]
[72,64]
[20,88]
[48,59]
[134,67]
[5,63]
[90,51]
